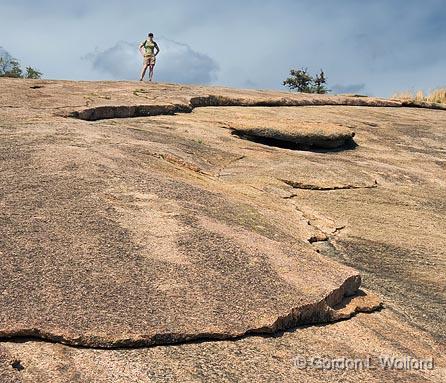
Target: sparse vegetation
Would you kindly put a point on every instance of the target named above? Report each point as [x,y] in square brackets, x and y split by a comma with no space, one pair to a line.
[10,67]
[32,73]
[96,95]
[301,80]
[140,92]
[435,96]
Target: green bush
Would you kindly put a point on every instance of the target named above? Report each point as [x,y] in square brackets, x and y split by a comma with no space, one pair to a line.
[32,73]
[10,67]
[301,81]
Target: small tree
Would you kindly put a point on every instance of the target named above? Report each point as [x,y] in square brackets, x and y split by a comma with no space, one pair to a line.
[32,73]
[10,67]
[14,70]
[301,81]
[3,65]
[319,83]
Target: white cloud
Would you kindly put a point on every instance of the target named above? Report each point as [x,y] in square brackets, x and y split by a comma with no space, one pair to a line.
[176,62]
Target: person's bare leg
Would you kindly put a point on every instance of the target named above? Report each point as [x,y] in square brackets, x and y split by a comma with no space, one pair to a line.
[151,72]
[143,72]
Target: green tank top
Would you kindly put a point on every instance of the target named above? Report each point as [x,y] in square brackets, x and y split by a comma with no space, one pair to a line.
[150,48]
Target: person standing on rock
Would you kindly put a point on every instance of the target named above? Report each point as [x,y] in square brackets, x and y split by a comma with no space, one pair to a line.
[149,50]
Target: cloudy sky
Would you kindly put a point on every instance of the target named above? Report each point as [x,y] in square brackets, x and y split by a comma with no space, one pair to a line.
[375,47]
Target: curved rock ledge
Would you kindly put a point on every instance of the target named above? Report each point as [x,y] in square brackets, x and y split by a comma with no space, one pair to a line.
[342,303]
[102,112]
[127,111]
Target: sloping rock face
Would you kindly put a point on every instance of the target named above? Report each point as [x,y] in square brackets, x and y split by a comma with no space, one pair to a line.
[150,215]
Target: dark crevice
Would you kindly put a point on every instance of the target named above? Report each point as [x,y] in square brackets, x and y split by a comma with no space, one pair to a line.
[304,186]
[315,238]
[17,365]
[318,146]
